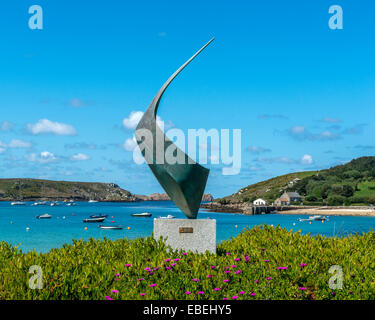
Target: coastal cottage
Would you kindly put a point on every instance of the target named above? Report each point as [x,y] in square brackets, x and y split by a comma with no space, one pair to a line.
[260,202]
[287,198]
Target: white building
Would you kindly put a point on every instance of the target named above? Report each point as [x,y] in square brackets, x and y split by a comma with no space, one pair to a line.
[260,202]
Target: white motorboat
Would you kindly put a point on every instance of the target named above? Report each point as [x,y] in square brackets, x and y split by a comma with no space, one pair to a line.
[18,203]
[314,218]
[143,214]
[110,227]
[94,219]
[44,216]
[167,217]
[93,201]
[39,203]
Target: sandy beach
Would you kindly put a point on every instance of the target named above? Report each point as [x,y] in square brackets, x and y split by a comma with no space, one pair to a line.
[365,212]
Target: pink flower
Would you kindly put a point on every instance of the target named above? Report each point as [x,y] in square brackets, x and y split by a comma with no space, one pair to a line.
[228,253]
[217,289]
[140,279]
[256,281]
[241,292]
[212,267]
[195,279]
[157,268]
[302,288]
[266,260]
[128,265]
[167,260]
[200,292]
[187,292]
[148,269]
[238,272]
[153,285]
[282,268]
[225,298]
[209,276]
[117,275]
[114,291]
[176,259]
[184,254]
[269,278]
[234,266]
[167,268]
[227,271]
[173,264]
[252,294]
[226,280]
[237,259]
[142,294]
[108,298]
[234,297]
[303,265]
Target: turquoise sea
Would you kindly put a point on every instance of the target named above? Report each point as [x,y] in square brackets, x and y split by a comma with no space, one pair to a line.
[53,233]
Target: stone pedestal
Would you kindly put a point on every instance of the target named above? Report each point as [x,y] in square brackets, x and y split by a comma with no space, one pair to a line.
[196,235]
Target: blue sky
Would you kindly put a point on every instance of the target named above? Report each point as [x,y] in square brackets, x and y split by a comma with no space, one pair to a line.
[302,94]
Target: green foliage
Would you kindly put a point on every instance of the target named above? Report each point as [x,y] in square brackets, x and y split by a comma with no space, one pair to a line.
[335,200]
[92,269]
[32,189]
[355,181]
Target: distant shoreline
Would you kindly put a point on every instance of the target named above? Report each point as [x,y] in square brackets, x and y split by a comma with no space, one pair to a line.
[241,208]
[326,211]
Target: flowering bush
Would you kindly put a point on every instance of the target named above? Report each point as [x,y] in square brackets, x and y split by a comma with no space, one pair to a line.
[267,263]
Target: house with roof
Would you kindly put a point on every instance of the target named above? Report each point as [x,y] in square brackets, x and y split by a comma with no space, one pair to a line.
[288,198]
[260,202]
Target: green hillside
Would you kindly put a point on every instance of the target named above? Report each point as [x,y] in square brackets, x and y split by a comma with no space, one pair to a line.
[349,184]
[35,189]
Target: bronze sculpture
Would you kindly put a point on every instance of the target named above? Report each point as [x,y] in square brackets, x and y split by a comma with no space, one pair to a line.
[183,181]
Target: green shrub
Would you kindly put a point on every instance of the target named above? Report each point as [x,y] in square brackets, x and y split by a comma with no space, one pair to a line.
[96,269]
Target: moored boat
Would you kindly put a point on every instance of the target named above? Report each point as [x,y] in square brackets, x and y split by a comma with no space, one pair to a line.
[44,216]
[143,214]
[99,216]
[110,227]
[18,203]
[167,217]
[94,219]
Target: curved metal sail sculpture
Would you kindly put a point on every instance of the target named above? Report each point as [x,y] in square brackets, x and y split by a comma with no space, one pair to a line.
[185,180]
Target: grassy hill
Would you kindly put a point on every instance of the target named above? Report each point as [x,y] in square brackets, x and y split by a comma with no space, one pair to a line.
[349,184]
[35,189]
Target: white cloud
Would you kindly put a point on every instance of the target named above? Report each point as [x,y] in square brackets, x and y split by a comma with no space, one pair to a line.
[298,129]
[307,159]
[257,150]
[15,143]
[6,126]
[2,150]
[132,121]
[130,144]
[331,120]
[79,157]
[48,126]
[76,103]
[43,157]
